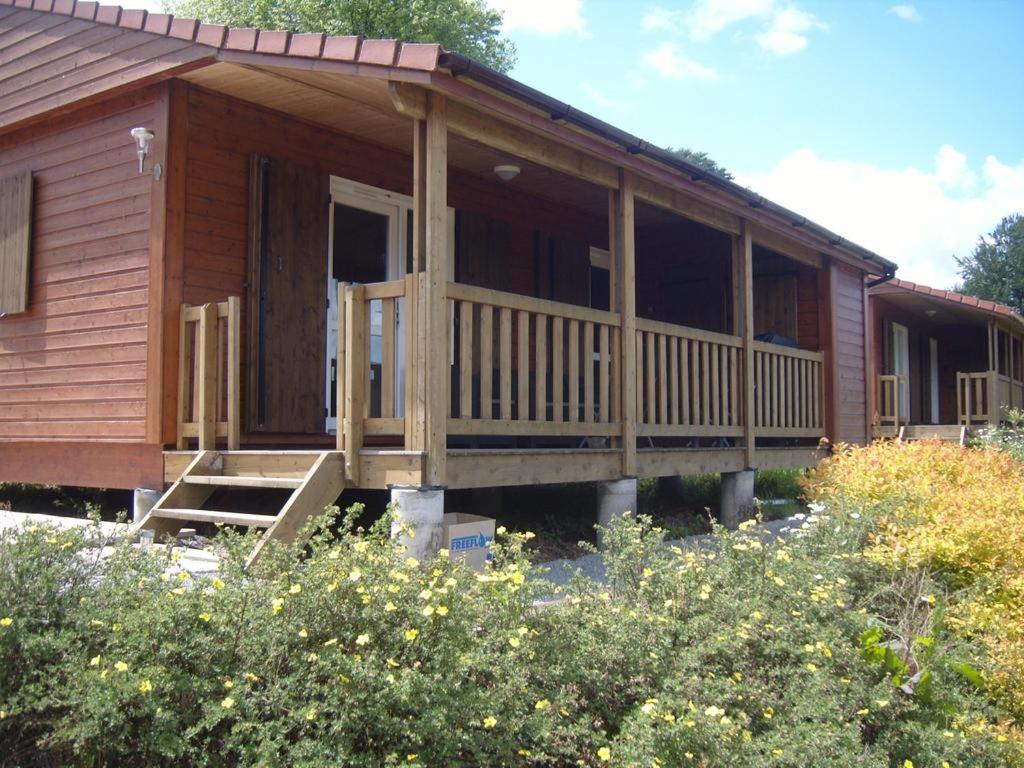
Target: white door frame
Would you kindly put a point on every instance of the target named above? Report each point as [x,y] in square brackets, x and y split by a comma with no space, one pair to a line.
[397,207]
[901,367]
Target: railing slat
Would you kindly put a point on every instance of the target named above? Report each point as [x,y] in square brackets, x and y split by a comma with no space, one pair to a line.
[588,372]
[523,340]
[662,383]
[604,375]
[574,370]
[486,364]
[557,367]
[673,379]
[387,357]
[541,368]
[684,379]
[465,360]
[505,357]
[705,383]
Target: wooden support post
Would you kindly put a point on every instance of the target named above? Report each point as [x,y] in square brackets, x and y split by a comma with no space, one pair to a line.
[743,247]
[234,404]
[415,304]
[342,367]
[206,373]
[356,375]
[994,409]
[625,282]
[435,204]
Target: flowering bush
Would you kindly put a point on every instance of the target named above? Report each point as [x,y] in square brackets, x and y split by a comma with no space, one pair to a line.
[751,653]
[959,514]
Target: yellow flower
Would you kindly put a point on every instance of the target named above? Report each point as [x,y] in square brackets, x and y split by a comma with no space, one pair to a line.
[216,583]
[311,715]
[604,753]
[121,666]
[303,632]
[93,622]
[6,621]
[393,588]
[514,642]
[863,712]
[389,606]
[355,575]
[410,757]
[908,764]
[332,641]
[490,722]
[768,712]
[410,634]
[278,604]
[428,611]
[442,610]
[426,594]
[145,686]
[362,639]
[812,667]
[523,631]
[295,589]
[95,661]
[542,704]
[228,703]
[883,703]
[204,617]
[714,711]
[229,684]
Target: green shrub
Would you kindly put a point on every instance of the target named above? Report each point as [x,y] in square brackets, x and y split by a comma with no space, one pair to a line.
[752,654]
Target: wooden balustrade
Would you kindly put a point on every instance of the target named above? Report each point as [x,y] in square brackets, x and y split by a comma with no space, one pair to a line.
[788,392]
[975,396]
[889,411]
[689,382]
[209,384]
[526,366]
[370,392]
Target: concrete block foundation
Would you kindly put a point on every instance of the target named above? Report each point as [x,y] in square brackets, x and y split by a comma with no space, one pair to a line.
[614,499]
[737,498]
[420,510]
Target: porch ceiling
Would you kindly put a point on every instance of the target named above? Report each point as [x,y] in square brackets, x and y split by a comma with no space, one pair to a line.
[934,310]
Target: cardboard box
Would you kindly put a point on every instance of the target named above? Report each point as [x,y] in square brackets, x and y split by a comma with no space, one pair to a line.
[466,538]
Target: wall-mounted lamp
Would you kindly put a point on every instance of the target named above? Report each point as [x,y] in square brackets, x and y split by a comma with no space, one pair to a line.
[506,172]
[931,312]
[143,138]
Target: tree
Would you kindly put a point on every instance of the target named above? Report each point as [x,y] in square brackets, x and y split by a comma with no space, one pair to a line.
[995,270]
[469,27]
[701,159]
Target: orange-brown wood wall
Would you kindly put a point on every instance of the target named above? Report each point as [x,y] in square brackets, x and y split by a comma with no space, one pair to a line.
[73,367]
[849,376]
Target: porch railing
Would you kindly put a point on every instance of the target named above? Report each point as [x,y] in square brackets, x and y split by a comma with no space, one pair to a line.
[889,389]
[209,384]
[976,397]
[526,366]
[788,391]
[689,382]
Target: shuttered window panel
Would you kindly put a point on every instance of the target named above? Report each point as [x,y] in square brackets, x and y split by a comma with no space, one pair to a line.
[15,241]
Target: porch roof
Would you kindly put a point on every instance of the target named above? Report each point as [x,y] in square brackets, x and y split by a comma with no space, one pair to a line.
[960,304]
[430,66]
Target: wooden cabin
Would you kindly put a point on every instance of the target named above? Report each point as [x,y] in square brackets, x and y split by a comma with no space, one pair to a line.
[942,362]
[356,263]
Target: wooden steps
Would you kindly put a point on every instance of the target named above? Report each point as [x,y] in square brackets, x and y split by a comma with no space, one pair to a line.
[315,479]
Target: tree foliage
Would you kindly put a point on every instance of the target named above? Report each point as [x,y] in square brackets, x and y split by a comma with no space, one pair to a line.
[469,27]
[995,269]
[700,159]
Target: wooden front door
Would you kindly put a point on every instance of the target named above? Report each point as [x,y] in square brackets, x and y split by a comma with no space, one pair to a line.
[287,277]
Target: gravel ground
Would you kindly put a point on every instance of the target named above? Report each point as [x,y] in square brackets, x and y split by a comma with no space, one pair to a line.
[561,572]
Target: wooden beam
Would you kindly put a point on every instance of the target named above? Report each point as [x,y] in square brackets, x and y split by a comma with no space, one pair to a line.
[744,247]
[436,215]
[778,242]
[625,262]
[687,206]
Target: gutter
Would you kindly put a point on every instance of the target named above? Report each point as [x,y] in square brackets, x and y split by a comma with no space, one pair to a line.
[887,274]
[464,67]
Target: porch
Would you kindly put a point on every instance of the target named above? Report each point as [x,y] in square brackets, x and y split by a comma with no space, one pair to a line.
[537,392]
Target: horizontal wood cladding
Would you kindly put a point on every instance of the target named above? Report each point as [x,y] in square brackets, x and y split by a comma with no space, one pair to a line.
[70,462]
[49,61]
[73,366]
[849,334]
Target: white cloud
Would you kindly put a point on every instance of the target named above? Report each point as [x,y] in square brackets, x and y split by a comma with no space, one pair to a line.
[905,12]
[598,97]
[660,18]
[667,60]
[918,218]
[783,28]
[708,17]
[787,31]
[546,17]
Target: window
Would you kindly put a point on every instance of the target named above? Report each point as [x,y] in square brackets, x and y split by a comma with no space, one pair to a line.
[15,241]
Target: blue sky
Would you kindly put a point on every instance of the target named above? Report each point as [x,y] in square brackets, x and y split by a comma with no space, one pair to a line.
[898,124]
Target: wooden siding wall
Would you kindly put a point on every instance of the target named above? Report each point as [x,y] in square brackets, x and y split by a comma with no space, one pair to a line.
[848,333]
[73,367]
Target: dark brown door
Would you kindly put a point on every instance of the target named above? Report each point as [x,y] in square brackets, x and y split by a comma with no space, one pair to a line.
[290,275]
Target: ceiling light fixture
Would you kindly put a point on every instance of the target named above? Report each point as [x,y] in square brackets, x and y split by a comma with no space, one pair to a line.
[506,172]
